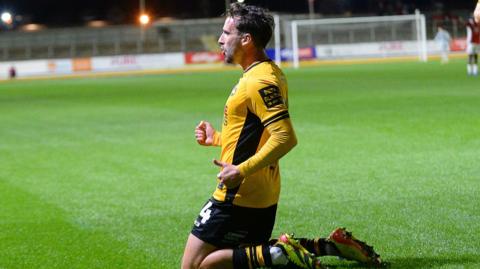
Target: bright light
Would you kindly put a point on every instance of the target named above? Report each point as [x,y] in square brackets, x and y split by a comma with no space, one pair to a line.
[241,1]
[32,27]
[97,23]
[7,18]
[144,19]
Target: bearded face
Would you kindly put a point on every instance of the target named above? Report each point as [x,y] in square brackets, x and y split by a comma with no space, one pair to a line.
[230,41]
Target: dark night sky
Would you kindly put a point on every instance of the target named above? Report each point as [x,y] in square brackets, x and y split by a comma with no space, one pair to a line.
[75,12]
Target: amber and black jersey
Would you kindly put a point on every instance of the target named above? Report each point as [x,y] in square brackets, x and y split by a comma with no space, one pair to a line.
[256,132]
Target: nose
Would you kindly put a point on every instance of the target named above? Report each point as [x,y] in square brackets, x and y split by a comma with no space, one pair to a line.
[220,40]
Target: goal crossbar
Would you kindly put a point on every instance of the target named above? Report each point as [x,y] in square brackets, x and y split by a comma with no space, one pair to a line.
[420,25]
[356,19]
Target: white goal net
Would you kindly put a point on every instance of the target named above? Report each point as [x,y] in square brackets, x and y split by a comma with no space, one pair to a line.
[360,37]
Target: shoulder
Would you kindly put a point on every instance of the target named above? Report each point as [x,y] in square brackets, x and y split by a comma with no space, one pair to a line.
[266,92]
[255,85]
[471,23]
[262,76]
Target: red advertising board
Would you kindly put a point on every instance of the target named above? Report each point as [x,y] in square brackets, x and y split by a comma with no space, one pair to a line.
[458,45]
[203,57]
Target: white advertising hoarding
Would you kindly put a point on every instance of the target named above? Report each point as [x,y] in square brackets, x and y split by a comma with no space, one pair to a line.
[96,64]
[138,62]
[25,68]
[374,49]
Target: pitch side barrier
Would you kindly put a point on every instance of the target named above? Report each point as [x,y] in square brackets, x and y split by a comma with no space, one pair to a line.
[178,62]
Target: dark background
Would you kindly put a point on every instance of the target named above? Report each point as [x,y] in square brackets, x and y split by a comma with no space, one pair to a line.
[77,12]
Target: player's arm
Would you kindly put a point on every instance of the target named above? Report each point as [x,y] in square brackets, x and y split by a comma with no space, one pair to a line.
[206,135]
[267,102]
[476,13]
[282,139]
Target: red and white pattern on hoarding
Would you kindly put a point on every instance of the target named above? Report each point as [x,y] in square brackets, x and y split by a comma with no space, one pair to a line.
[204,57]
[306,53]
[124,60]
[458,45]
[391,46]
[287,54]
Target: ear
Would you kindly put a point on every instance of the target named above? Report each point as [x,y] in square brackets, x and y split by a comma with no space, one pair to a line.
[246,39]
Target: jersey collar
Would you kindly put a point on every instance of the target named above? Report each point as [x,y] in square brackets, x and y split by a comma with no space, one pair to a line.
[255,64]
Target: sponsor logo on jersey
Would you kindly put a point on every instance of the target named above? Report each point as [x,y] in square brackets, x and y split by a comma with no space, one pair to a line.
[271,96]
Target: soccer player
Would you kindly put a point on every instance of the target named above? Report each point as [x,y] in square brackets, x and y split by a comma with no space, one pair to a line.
[234,226]
[443,40]
[473,45]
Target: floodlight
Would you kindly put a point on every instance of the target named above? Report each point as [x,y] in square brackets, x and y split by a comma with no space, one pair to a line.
[7,18]
[144,19]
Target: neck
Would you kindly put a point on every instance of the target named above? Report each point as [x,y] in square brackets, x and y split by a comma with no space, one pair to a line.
[252,58]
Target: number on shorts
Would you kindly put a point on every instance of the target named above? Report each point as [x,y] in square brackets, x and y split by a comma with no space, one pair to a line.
[205,212]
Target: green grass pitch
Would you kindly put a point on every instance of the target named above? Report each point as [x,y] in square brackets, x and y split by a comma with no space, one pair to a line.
[105,172]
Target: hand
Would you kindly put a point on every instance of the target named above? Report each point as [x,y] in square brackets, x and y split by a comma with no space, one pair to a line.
[204,133]
[230,175]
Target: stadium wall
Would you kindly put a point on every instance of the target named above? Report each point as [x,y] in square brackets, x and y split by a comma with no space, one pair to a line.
[168,61]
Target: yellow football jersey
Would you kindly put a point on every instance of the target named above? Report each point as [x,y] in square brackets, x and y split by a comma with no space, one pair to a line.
[258,100]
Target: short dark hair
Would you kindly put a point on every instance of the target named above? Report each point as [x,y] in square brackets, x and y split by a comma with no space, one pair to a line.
[252,20]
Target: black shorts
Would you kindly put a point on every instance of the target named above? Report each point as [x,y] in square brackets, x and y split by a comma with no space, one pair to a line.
[225,225]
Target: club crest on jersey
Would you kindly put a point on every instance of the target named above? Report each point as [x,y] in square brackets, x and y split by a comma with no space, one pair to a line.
[271,96]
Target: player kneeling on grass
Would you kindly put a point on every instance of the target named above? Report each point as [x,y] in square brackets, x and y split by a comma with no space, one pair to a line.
[233,229]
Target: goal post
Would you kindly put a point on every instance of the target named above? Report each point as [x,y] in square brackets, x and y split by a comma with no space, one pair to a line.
[278,45]
[357,37]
